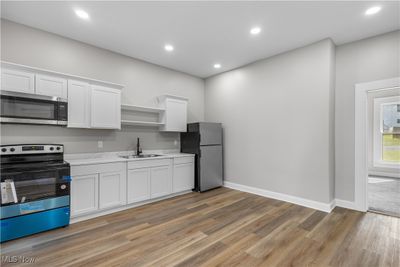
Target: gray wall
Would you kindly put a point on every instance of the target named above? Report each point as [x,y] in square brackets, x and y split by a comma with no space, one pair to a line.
[144,82]
[278,122]
[362,61]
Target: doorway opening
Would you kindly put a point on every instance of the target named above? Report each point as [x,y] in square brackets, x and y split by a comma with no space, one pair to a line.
[377,168]
[383,189]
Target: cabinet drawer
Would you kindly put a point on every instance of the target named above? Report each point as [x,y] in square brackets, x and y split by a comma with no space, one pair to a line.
[182,160]
[148,163]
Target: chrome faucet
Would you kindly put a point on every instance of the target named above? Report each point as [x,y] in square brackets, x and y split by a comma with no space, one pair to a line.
[138,148]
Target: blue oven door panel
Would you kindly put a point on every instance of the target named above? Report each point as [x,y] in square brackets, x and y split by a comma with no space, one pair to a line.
[33,207]
[32,223]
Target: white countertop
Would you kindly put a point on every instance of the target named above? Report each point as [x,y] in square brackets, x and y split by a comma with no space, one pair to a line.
[111,157]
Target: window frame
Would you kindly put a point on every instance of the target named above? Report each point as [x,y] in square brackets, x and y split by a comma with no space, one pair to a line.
[378,132]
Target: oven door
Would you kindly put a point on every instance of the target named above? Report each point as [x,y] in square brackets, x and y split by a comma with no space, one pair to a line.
[32,109]
[33,184]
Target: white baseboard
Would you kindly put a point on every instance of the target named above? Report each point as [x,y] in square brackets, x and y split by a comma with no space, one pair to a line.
[346,204]
[326,207]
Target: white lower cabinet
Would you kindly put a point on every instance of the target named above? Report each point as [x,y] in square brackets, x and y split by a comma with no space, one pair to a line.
[97,187]
[161,181]
[112,189]
[104,188]
[183,177]
[84,194]
[148,179]
[138,185]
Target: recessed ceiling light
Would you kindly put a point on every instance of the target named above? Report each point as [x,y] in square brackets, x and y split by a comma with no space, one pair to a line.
[82,14]
[217,66]
[373,10]
[255,30]
[169,47]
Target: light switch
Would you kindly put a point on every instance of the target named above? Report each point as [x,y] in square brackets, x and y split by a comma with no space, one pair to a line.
[100,144]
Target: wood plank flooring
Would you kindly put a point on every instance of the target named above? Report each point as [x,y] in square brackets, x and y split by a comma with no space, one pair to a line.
[222,227]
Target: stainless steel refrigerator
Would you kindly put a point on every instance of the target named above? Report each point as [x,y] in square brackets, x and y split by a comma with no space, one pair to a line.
[204,139]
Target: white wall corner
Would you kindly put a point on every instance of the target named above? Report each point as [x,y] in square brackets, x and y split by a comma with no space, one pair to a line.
[326,207]
[346,204]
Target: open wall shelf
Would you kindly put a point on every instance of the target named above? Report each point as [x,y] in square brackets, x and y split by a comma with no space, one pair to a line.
[136,115]
[141,123]
[141,108]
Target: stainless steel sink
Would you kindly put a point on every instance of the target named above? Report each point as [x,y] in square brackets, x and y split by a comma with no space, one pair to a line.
[140,156]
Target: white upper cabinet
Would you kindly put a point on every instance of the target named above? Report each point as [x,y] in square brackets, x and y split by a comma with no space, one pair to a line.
[17,81]
[51,86]
[91,103]
[78,104]
[175,115]
[105,107]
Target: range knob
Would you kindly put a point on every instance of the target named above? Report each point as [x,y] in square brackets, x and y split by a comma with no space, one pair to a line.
[58,148]
[51,148]
[4,149]
[12,149]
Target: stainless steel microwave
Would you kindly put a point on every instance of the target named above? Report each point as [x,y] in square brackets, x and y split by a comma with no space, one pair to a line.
[32,109]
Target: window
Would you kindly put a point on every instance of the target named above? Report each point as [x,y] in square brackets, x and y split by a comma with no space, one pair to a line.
[386,131]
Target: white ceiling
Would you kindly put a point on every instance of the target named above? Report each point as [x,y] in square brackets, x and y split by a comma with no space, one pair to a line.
[204,33]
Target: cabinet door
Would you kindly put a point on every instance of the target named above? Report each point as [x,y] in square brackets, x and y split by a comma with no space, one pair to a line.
[78,104]
[17,81]
[175,115]
[51,86]
[112,191]
[84,194]
[183,178]
[160,181]
[138,185]
[105,107]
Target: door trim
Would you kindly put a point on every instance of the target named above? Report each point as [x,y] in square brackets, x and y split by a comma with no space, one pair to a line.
[360,137]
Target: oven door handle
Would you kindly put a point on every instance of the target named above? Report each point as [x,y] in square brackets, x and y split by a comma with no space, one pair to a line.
[67,178]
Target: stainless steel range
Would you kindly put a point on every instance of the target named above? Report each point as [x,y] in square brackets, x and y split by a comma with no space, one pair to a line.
[35,189]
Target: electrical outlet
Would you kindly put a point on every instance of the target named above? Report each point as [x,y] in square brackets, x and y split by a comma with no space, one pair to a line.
[100,144]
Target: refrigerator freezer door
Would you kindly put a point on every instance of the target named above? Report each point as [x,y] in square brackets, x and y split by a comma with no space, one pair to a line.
[210,133]
[211,167]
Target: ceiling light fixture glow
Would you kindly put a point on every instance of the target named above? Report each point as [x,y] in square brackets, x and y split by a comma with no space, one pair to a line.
[255,30]
[168,48]
[217,66]
[373,10]
[82,14]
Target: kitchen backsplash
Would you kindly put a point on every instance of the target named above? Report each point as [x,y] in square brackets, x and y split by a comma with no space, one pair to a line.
[86,140]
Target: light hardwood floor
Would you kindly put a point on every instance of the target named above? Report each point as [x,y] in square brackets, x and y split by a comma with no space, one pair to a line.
[222,227]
